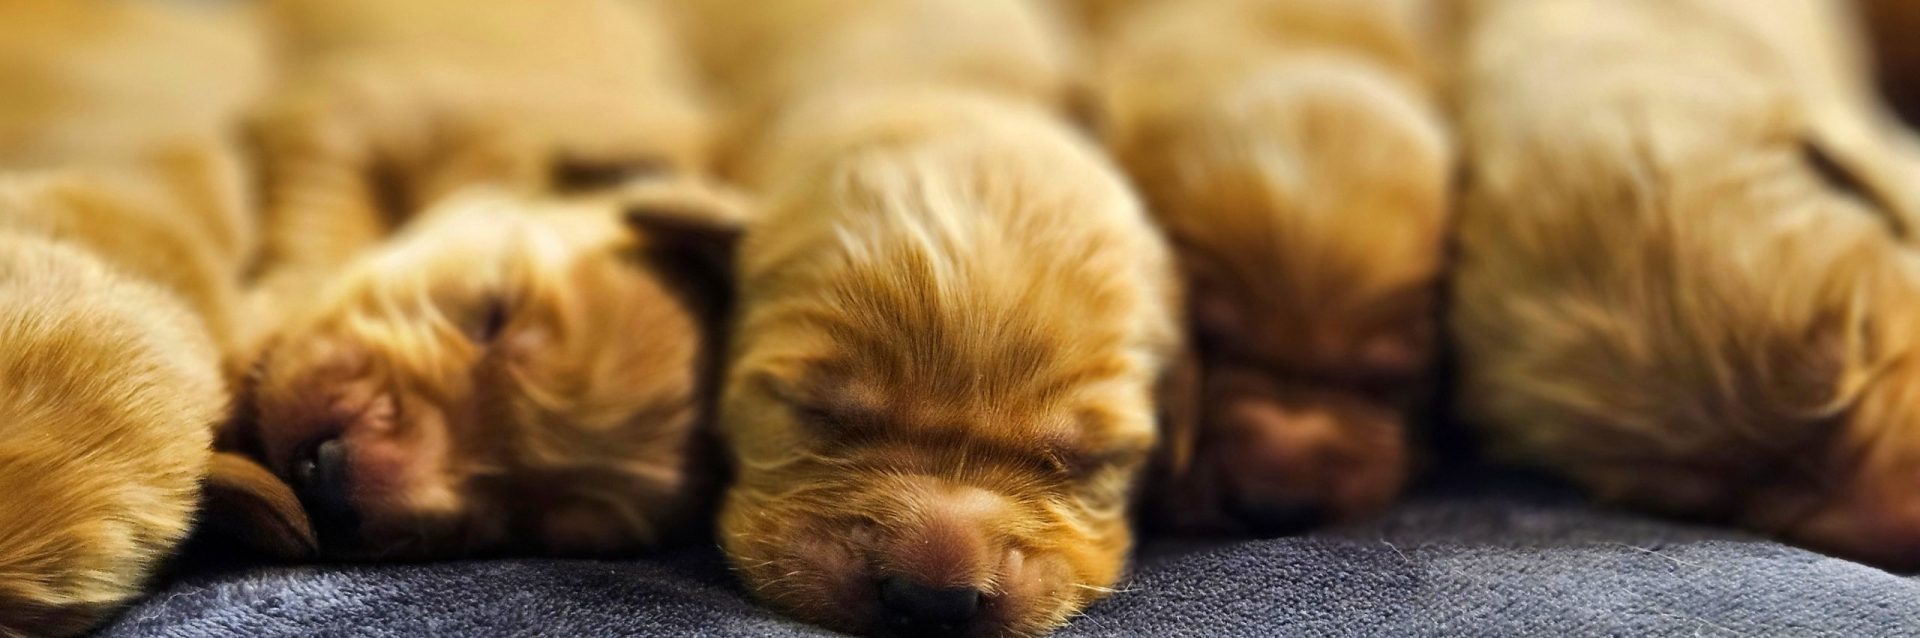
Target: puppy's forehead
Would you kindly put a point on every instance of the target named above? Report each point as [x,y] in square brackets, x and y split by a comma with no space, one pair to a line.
[865,403]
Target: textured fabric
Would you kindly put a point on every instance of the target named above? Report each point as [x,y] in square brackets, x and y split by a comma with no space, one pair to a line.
[1496,559]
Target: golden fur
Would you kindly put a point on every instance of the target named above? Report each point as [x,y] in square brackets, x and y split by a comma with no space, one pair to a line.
[113,391]
[507,375]
[1293,152]
[390,106]
[953,318]
[121,238]
[766,56]
[1685,276]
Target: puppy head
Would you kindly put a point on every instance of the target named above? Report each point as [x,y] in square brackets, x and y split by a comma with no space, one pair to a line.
[1718,330]
[925,444]
[870,508]
[1309,208]
[504,377]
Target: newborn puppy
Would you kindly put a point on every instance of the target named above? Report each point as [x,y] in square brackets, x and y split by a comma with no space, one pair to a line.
[505,376]
[1685,277]
[953,319]
[391,105]
[1293,152]
[121,235]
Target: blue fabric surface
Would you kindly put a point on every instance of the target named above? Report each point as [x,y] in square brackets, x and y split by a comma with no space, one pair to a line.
[1483,559]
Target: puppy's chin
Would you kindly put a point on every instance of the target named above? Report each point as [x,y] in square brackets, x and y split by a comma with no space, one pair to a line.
[899,555]
[1273,460]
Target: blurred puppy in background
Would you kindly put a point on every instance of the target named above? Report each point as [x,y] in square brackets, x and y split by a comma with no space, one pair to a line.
[1686,276]
[952,321]
[765,57]
[390,106]
[1293,152]
[507,375]
[122,236]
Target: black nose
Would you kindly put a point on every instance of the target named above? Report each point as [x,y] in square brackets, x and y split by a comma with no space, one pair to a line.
[1273,518]
[913,609]
[320,478]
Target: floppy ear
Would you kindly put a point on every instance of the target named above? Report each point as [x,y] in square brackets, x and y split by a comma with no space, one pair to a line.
[691,223]
[246,503]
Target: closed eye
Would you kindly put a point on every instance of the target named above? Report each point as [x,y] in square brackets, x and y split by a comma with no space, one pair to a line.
[493,319]
[1080,465]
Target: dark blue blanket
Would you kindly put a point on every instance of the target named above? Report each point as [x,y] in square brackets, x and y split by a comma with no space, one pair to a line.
[1485,559]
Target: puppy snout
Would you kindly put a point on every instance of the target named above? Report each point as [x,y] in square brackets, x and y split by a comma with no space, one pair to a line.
[1289,466]
[913,608]
[321,478]
[1273,518]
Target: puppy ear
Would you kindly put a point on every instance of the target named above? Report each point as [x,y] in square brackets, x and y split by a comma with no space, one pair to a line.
[692,223]
[245,503]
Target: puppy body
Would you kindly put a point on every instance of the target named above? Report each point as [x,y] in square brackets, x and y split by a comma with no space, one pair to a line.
[391,105]
[1682,278]
[113,391]
[121,238]
[1293,151]
[766,57]
[952,321]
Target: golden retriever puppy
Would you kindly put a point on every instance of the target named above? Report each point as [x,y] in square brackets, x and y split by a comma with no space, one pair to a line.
[507,375]
[391,105]
[1685,276]
[1293,152]
[764,57]
[121,239]
[953,317]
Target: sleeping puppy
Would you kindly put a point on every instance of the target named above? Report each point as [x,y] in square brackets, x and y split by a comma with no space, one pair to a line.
[764,57]
[951,324]
[121,238]
[1293,152]
[953,318]
[391,105]
[1686,276]
[508,375]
